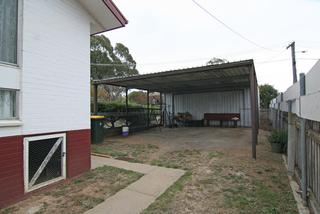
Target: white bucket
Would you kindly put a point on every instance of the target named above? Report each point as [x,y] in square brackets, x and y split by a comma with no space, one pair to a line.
[125,131]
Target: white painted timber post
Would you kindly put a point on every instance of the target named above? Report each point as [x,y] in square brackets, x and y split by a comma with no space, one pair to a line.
[291,140]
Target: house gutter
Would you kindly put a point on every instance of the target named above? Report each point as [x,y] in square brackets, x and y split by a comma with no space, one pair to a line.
[116,12]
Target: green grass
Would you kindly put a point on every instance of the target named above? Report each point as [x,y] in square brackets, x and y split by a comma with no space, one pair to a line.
[257,197]
[8,210]
[129,152]
[167,164]
[88,202]
[215,154]
[107,150]
[162,204]
[234,178]
[177,159]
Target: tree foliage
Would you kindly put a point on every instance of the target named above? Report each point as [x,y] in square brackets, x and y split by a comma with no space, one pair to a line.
[216,61]
[267,93]
[138,97]
[108,61]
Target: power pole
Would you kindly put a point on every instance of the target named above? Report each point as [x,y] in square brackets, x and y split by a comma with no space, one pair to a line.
[293,55]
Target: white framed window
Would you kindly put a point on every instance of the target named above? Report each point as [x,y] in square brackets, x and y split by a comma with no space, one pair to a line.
[9,31]
[44,159]
[8,104]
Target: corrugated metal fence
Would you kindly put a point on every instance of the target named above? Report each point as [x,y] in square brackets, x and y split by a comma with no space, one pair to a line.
[212,102]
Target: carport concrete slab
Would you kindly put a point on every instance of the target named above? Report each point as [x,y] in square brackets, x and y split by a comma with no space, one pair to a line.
[140,194]
[200,138]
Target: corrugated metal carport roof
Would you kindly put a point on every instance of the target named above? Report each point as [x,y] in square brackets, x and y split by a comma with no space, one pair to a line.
[221,77]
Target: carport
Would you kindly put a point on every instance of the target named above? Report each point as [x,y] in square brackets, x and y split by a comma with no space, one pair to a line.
[214,89]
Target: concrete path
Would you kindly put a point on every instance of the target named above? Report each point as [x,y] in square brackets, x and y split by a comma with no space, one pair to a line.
[139,195]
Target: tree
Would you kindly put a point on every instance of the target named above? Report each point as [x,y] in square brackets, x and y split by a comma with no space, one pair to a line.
[216,61]
[107,62]
[123,54]
[267,93]
[138,97]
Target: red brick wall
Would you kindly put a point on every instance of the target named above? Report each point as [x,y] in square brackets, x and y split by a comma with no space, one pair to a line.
[78,152]
[11,169]
[11,163]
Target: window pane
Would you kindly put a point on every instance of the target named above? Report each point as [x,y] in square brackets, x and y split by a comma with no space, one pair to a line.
[8,30]
[7,104]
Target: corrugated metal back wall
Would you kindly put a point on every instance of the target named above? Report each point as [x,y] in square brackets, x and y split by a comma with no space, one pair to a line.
[213,102]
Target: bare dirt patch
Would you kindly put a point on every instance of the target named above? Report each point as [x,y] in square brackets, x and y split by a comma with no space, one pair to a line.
[78,195]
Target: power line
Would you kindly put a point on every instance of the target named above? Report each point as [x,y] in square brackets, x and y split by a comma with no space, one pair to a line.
[309,42]
[272,61]
[309,58]
[229,28]
[281,60]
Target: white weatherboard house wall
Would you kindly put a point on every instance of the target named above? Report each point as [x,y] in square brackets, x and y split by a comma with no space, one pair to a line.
[45,85]
[53,72]
[55,85]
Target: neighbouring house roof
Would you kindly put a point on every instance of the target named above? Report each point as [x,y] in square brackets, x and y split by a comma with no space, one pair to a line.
[221,77]
[105,14]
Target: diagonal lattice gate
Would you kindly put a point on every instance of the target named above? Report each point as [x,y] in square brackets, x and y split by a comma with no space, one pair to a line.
[44,160]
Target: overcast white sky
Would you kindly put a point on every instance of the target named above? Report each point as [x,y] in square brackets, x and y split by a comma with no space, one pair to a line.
[169,34]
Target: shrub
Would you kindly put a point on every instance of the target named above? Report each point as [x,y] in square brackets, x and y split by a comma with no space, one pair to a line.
[114,106]
[279,137]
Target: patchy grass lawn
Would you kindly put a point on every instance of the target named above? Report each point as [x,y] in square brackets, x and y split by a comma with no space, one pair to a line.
[220,181]
[138,153]
[78,195]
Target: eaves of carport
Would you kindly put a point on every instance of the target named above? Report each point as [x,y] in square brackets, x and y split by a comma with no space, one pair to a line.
[221,77]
